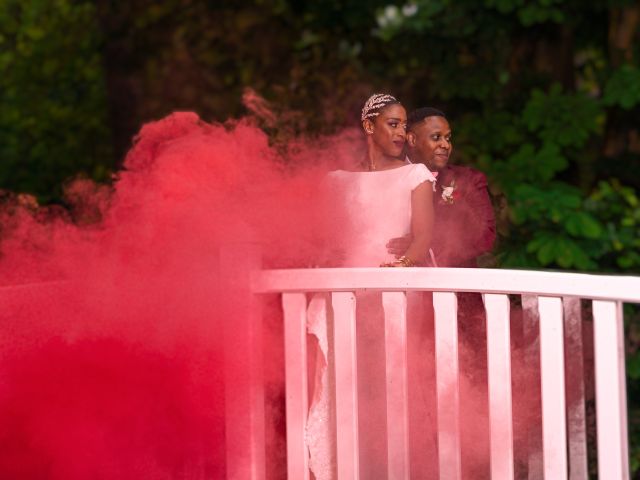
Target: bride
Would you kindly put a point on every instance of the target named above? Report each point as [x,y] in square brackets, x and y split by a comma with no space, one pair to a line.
[386,197]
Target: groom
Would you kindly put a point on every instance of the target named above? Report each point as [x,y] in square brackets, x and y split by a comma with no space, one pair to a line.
[464,226]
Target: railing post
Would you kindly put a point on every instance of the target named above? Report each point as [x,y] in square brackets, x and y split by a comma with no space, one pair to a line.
[445,306]
[395,330]
[499,370]
[344,309]
[244,382]
[611,402]
[295,348]
[554,424]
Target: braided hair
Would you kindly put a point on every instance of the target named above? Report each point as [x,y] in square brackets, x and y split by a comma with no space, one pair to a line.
[375,104]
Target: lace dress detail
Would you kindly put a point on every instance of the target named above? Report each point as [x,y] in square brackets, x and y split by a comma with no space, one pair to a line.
[320,434]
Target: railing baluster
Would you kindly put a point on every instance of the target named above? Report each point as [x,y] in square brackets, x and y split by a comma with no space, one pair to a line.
[344,308]
[244,380]
[499,370]
[445,306]
[295,347]
[554,438]
[611,408]
[530,396]
[576,417]
[395,332]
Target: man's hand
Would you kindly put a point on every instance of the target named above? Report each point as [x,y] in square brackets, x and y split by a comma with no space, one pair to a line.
[398,246]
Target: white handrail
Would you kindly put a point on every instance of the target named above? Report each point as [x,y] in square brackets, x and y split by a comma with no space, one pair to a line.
[597,287]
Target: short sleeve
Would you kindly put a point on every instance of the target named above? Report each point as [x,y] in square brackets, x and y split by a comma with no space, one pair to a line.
[420,174]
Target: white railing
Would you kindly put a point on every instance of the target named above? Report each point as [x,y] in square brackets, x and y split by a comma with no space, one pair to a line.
[551,303]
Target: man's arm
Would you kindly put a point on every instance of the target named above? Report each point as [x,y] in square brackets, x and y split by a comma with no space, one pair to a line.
[484,228]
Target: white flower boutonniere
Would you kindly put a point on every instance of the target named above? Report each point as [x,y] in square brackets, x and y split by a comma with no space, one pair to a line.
[448,193]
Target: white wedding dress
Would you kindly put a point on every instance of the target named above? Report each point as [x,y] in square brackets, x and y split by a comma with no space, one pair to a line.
[378,207]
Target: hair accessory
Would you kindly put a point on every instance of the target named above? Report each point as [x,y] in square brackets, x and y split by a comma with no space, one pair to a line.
[375,103]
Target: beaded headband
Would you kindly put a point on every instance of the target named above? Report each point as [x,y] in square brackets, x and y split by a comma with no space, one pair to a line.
[375,103]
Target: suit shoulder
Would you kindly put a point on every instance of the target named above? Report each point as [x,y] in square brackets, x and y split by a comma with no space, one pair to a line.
[471,174]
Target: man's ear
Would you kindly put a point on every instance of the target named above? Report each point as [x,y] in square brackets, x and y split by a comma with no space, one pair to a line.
[367,124]
[411,139]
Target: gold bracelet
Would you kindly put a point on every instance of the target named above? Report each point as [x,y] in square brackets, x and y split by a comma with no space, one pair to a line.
[406,261]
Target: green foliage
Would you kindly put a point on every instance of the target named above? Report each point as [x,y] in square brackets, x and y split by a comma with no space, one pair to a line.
[553,224]
[561,232]
[633,367]
[563,119]
[542,11]
[419,16]
[623,88]
[617,207]
[479,138]
[531,13]
[527,164]
[52,96]
[562,227]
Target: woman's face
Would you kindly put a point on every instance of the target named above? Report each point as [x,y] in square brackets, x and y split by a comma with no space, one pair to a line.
[388,130]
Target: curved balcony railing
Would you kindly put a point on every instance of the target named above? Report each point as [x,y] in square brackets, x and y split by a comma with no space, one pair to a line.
[552,301]
[555,306]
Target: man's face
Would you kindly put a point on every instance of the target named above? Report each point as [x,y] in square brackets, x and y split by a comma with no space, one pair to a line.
[429,142]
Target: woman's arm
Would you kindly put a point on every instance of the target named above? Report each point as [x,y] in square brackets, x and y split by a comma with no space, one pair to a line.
[421,223]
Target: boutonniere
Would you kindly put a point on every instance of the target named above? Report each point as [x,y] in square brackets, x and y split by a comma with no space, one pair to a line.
[449,193]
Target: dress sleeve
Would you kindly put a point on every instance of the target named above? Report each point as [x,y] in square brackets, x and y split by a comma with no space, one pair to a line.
[420,174]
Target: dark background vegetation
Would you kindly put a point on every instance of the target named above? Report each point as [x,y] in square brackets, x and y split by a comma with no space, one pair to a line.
[543,95]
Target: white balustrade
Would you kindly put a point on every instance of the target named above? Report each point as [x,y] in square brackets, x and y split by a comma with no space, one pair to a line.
[395,314]
[611,399]
[550,302]
[554,438]
[445,307]
[244,380]
[499,373]
[297,403]
[344,310]
[530,384]
[574,368]
[552,327]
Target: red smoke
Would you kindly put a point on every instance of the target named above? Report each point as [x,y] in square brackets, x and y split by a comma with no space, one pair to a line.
[112,368]
[111,316]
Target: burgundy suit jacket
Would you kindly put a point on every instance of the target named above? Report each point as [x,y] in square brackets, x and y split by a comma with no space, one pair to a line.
[464,224]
